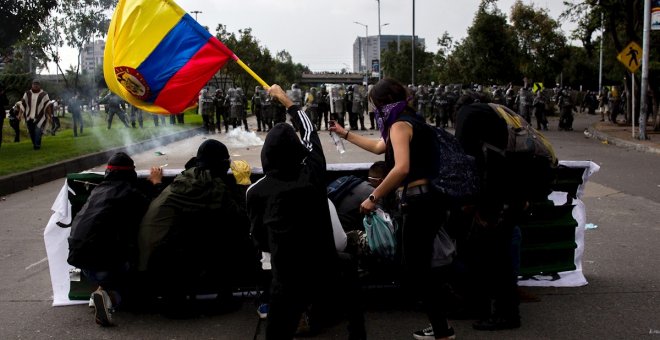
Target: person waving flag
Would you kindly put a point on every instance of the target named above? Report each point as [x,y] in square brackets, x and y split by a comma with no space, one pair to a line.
[158,57]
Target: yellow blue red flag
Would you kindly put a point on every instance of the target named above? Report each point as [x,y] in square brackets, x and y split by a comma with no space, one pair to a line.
[158,57]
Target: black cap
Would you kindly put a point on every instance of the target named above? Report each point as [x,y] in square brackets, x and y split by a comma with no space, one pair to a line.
[213,155]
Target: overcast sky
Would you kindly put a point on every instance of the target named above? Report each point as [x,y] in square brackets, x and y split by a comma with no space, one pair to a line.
[320,33]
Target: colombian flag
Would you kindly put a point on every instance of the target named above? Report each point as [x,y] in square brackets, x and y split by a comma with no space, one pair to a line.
[158,57]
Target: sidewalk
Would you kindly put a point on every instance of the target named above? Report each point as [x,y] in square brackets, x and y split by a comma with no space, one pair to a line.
[621,135]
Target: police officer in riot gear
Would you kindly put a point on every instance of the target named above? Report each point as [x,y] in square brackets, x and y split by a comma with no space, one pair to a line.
[510,98]
[348,100]
[524,101]
[206,101]
[436,105]
[565,103]
[312,105]
[242,112]
[221,111]
[538,105]
[255,107]
[358,106]
[337,106]
[324,107]
[267,111]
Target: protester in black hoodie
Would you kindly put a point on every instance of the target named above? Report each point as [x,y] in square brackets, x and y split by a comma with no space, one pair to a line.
[103,241]
[288,210]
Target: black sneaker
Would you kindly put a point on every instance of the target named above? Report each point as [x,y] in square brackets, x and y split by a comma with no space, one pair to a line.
[428,334]
[496,324]
[102,308]
[424,334]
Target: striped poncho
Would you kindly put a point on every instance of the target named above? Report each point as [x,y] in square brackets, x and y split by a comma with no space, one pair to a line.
[34,106]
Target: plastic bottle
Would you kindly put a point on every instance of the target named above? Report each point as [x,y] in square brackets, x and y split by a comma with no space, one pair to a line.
[338,142]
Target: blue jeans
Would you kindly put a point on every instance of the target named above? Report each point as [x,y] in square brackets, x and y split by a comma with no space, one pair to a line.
[114,282]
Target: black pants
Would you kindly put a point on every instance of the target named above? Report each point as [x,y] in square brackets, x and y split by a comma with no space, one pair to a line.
[120,114]
[35,134]
[78,122]
[566,119]
[15,125]
[157,117]
[338,295]
[423,216]
[136,116]
[493,271]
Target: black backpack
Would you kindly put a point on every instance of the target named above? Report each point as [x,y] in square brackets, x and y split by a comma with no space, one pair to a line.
[455,174]
[342,186]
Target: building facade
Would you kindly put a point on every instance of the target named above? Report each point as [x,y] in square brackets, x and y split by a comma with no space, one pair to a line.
[91,57]
[366,53]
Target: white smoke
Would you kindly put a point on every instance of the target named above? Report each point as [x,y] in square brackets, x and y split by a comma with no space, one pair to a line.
[237,138]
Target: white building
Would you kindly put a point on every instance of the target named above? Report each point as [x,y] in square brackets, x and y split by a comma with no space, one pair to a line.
[91,57]
[365,49]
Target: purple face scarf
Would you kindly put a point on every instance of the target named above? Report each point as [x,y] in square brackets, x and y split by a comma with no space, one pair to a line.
[387,115]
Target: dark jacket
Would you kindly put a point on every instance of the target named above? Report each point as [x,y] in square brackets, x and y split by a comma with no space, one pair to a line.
[195,221]
[104,232]
[288,207]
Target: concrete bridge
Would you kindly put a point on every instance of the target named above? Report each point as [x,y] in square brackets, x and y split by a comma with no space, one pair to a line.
[332,78]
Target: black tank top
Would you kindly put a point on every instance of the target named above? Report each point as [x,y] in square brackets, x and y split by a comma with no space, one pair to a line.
[421,161]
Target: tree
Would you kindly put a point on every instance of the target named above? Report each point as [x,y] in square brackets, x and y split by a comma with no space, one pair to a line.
[20,19]
[622,21]
[489,54]
[541,43]
[397,63]
[279,69]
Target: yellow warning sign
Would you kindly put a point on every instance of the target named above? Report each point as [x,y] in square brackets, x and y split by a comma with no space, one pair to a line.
[631,56]
[537,87]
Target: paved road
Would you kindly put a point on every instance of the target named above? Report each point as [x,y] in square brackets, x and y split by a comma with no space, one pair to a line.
[621,262]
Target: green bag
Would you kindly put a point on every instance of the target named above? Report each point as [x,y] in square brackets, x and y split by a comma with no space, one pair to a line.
[381,231]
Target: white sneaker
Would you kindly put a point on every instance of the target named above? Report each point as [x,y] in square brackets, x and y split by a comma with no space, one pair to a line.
[102,308]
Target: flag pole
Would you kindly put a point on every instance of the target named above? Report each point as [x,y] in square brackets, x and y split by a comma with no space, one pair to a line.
[250,72]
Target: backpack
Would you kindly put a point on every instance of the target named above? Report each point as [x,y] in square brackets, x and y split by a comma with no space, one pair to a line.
[455,174]
[342,186]
[528,157]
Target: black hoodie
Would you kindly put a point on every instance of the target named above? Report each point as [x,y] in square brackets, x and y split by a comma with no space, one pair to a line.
[288,207]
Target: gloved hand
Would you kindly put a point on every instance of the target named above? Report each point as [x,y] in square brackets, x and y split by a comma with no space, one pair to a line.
[241,171]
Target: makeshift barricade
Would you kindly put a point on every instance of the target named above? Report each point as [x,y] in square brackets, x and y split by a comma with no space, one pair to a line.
[551,250]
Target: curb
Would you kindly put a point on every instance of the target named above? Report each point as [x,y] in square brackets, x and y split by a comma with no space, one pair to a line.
[23,180]
[594,133]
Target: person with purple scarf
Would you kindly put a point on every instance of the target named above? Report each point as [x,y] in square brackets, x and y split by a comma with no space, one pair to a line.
[405,144]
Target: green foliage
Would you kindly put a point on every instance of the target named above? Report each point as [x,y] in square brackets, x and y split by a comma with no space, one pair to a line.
[489,54]
[397,63]
[17,157]
[542,44]
[20,19]
[275,70]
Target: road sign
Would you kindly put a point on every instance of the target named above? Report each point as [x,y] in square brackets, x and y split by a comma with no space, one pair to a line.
[537,87]
[631,56]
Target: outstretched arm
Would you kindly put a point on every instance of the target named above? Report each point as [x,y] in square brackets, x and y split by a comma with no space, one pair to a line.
[376,146]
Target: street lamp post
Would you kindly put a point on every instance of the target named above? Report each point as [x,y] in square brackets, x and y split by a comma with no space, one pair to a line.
[366,48]
[195,13]
[413,43]
[380,63]
[380,66]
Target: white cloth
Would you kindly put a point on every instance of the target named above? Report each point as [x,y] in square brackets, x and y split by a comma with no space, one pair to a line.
[573,278]
[57,249]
